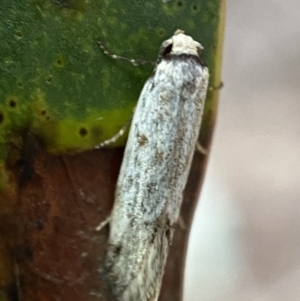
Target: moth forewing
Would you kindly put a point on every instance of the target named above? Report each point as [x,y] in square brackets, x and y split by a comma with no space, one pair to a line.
[154,171]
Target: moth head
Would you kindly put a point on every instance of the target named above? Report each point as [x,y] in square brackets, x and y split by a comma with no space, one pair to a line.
[180,43]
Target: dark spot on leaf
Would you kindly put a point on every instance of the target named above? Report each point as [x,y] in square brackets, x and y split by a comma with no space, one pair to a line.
[83,132]
[59,62]
[19,33]
[161,32]
[180,3]
[49,78]
[12,103]
[1,117]
[195,7]
[43,112]
[20,84]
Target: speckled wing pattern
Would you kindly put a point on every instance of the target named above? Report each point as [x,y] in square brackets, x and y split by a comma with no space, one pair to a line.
[154,171]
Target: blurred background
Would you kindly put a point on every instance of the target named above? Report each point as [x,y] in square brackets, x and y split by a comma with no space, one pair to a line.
[245,241]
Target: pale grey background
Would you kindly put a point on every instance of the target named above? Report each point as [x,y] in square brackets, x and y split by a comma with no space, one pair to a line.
[245,243]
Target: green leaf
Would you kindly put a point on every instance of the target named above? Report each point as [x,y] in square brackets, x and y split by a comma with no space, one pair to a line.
[57,83]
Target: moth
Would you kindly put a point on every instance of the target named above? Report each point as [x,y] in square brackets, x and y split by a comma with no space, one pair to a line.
[154,171]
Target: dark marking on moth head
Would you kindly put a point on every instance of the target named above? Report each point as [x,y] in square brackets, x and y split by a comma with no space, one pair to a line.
[167,50]
[142,140]
[184,57]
